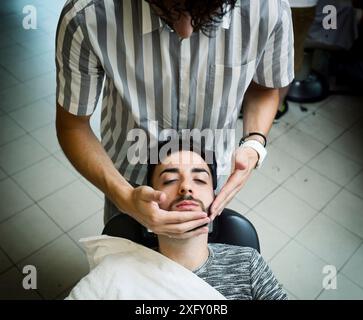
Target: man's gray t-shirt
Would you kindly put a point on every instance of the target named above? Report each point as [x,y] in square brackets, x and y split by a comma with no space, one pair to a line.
[239,273]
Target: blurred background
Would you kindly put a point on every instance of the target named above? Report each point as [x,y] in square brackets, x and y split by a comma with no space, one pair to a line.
[306,202]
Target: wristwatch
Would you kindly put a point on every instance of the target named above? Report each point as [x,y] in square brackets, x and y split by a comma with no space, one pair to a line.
[256,145]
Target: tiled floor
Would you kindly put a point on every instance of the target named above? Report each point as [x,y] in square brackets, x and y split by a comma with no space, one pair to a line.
[306,202]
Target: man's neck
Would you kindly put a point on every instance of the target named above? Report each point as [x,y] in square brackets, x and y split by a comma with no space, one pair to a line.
[190,253]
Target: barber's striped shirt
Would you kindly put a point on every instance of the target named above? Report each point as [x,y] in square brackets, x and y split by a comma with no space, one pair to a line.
[148,75]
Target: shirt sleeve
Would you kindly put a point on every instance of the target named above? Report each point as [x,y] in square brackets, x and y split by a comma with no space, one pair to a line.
[264,284]
[79,71]
[275,67]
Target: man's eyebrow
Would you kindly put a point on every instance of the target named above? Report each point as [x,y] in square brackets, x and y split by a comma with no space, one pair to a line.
[200,170]
[173,170]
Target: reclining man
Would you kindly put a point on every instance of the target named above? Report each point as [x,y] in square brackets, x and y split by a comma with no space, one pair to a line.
[186,183]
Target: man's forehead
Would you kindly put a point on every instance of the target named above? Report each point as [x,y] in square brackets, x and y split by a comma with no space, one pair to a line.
[183,158]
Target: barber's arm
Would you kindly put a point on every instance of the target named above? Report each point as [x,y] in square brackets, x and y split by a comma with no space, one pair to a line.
[274,72]
[88,156]
[260,108]
[80,77]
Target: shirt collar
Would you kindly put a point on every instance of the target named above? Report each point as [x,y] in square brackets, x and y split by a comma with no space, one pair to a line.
[150,21]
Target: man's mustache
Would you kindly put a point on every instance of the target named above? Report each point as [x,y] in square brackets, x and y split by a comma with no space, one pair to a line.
[190,198]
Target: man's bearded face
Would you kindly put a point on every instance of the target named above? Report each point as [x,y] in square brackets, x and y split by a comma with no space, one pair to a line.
[186,180]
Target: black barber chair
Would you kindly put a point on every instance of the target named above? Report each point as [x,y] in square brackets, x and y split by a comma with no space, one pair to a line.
[229,228]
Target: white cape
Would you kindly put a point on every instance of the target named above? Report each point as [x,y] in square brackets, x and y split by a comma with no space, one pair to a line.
[122,269]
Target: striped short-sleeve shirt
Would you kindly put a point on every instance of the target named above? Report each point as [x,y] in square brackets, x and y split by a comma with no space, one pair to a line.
[153,82]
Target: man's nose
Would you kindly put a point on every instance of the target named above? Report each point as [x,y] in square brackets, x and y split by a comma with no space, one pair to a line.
[183,27]
[185,188]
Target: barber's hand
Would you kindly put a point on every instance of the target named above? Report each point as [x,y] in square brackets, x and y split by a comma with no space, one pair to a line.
[244,160]
[174,224]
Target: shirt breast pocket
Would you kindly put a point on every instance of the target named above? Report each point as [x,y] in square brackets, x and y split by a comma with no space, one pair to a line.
[226,86]
[226,76]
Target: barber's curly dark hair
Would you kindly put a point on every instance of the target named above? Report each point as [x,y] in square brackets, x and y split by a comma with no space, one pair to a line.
[206,15]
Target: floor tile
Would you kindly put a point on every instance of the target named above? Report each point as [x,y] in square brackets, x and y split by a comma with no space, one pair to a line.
[329,240]
[5,40]
[23,34]
[299,271]
[285,211]
[11,287]
[347,210]
[93,226]
[271,239]
[30,68]
[39,45]
[296,113]
[2,175]
[11,100]
[335,166]
[35,115]
[290,295]
[312,187]
[47,137]
[14,54]
[7,80]
[279,165]
[299,145]
[71,205]
[314,106]
[341,109]
[9,130]
[345,290]
[43,178]
[277,130]
[237,206]
[357,129]
[64,294]
[320,128]
[59,155]
[356,185]
[350,145]
[59,265]
[44,85]
[19,242]
[20,154]
[89,185]
[353,269]
[5,263]
[12,199]
[249,194]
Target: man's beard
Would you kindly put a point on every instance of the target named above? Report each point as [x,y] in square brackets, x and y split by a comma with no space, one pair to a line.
[188,198]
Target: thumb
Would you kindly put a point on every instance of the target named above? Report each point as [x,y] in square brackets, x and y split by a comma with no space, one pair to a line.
[150,194]
[159,196]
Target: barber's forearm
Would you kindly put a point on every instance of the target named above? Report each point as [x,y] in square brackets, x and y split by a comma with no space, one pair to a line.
[86,153]
[260,107]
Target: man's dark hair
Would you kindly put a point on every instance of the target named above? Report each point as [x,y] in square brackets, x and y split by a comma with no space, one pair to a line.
[184,145]
[206,15]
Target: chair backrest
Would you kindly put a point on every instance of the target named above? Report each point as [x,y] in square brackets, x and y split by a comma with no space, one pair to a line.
[234,229]
[229,228]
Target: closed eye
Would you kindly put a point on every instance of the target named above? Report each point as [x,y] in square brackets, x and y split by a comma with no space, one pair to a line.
[200,181]
[169,181]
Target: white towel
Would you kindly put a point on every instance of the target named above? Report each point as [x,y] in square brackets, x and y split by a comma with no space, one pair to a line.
[122,269]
